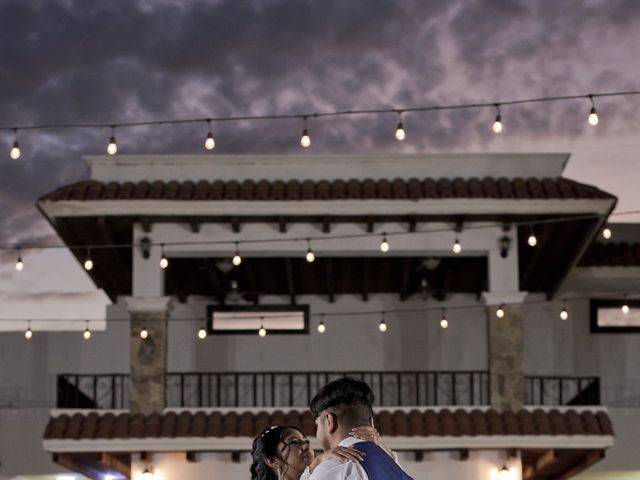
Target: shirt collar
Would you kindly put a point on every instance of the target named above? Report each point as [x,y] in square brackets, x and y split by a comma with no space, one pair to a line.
[348,441]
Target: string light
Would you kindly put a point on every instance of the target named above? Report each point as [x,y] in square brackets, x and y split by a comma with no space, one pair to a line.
[384,245]
[164,261]
[209,142]
[237,259]
[28,332]
[112,147]
[625,307]
[497,123]
[19,262]
[87,333]
[144,333]
[606,233]
[321,326]
[88,262]
[15,150]
[500,311]
[305,139]
[262,332]
[400,133]
[564,313]
[457,247]
[532,240]
[202,333]
[383,325]
[444,323]
[593,115]
[310,256]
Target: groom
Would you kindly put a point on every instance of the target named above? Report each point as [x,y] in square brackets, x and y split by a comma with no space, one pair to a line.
[339,407]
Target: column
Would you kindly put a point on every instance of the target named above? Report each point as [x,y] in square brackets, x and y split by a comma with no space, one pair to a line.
[148,364]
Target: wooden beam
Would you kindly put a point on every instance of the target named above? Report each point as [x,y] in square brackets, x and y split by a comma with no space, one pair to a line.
[370,224]
[419,455]
[544,460]
[326,224]
[512,453]
[191,456]
[412,223]
[282,224]
[235,457]
[235,224]
[120,463]
[328,276]
[194,224]
[145,223]
[68,462]
[588,460]
[404,281]
[366,273]
[464,454]
[291,286]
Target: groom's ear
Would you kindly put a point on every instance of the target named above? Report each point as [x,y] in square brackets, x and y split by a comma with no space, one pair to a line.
[332,422]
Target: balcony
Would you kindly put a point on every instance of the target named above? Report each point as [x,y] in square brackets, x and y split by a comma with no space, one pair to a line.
[296,389]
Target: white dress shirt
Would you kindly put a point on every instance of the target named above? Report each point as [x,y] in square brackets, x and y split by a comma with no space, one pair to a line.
[334,469]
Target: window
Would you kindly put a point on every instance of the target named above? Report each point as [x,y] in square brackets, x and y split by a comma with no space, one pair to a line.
[247,319]
[607,316]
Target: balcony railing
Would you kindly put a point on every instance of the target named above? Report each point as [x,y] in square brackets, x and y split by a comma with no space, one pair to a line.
[296,389]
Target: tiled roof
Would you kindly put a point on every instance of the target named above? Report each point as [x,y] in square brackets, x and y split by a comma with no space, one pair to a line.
[398,423]
[398,189]
[611,255]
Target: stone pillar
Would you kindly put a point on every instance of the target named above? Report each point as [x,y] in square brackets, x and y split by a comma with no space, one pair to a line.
[505,351]
[148,363]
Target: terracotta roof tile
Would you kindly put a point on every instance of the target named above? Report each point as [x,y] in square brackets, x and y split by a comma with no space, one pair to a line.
[293,190]
[397,423]
[611,254]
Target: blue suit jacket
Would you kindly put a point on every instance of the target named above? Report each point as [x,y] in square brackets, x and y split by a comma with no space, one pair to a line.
[378,464]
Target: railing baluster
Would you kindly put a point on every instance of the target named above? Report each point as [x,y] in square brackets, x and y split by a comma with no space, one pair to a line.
[235,389]
[453,389]
[290,390]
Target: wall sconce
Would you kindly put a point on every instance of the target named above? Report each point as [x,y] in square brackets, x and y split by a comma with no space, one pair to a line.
[504,473]
[505,246]
[147,473]
[145,247]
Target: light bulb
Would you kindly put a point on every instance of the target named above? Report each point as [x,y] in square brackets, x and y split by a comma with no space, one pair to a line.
[88,264]
[28,333]
[147,474]
[237,259]
[497,124]
[144,333]
[112,148]
[383,326]
[19,264]
[321,327]
[456,248]
[400,133]
[593,117]
[262,332]
[202,333]
[606,233]
[444,323]
[87,333]
[310,256]
[15,151]
[625,308]
[210,143]
[500,311]
[564,314]
[532,240]
[504,473]
[384,245]
[164,262]
[305,139]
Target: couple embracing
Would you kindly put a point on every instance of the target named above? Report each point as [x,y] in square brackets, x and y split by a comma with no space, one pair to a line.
[344,427]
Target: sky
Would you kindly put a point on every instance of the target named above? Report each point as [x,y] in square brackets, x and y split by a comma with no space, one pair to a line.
[91,61]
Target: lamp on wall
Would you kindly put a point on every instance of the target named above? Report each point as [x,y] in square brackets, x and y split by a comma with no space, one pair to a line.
[147,473]
[504,473]
[505,245]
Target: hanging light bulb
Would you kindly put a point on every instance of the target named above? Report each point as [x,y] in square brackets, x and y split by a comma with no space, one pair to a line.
[532,240]
[237,259]
[625,308]
[504,473]
[112,148]
[19,262]
[444,323]
[147,473]
[383,325]
[456,248]
[500,311]
[606,233]
[384,245]
[88,263]
[144,333]
[564,313]
[15,150]
[209,142]
[262,332]
[321,326]
[28,332]
[202,333]
[497,123]
[305,139]
[310,256]
[593,115]
[87,333]
[164,261]
[400,133]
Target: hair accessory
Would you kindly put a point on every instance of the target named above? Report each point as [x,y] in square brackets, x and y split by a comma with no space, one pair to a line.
[268,430]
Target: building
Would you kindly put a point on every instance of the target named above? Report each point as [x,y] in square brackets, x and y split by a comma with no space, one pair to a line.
[409,243]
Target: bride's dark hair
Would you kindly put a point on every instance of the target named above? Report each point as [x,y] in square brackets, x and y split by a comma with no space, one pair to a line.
[265,446]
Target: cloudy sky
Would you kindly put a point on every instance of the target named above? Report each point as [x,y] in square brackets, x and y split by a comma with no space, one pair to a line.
[83,61]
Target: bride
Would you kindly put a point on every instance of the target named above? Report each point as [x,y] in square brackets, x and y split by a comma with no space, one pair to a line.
[284,453]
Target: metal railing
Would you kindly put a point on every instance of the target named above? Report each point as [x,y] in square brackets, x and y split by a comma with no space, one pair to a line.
[296,389]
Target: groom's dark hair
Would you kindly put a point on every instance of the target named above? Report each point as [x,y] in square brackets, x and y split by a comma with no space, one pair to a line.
[348,398]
